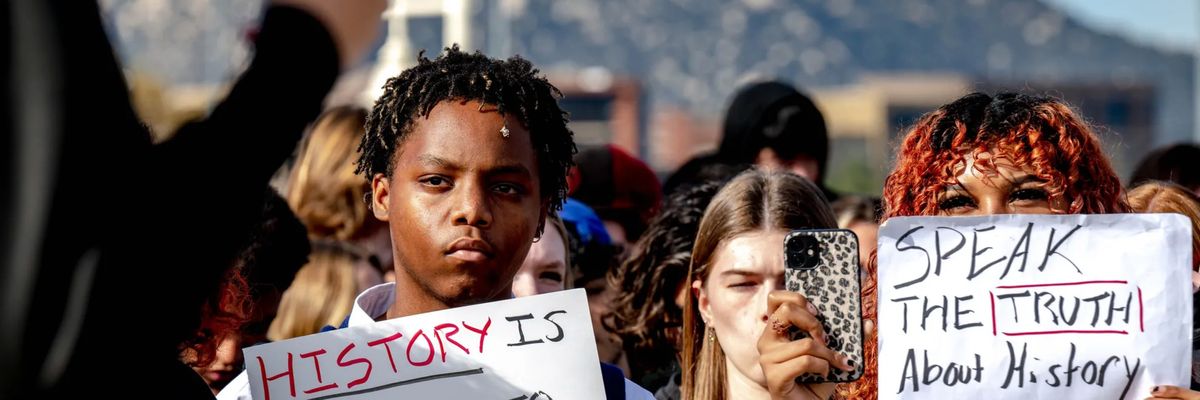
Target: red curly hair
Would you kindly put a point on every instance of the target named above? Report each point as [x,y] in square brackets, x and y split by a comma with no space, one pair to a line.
[1040,132]
[222,316]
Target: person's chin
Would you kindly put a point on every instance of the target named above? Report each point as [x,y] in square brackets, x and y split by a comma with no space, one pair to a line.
[474,290]
[219,379]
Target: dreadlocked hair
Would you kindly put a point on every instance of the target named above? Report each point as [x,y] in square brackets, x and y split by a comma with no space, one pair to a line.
[1041,132]
[512,85]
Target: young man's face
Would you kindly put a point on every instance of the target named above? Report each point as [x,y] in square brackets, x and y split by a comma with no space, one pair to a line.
[463,204]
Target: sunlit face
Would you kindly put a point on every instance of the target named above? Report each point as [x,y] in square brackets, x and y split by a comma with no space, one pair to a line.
[733,299]
[463,204]
[544,268]
[1009,189]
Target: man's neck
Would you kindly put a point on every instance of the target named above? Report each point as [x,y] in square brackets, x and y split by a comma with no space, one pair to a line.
[411,299]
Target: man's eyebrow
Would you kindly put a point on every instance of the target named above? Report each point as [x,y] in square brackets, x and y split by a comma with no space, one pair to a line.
[435,161]
[508,169]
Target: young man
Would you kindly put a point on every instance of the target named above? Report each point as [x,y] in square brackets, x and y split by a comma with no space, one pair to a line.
[467,156]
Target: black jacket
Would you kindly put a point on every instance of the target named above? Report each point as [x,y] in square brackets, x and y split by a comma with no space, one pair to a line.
[137,235]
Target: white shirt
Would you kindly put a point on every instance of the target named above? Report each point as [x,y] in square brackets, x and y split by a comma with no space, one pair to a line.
[369,304]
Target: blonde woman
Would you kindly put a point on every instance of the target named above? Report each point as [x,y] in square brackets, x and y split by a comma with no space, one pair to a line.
[328,197]
[321,293]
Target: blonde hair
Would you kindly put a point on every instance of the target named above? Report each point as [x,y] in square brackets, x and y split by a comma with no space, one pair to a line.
[752,201]
[322,293]
[1166,197]
[323,189]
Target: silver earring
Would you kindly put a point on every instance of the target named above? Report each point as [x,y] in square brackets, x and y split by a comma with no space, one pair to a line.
[504,130]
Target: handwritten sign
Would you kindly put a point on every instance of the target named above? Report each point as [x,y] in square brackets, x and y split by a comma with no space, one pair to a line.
[1034,307]
[538,347]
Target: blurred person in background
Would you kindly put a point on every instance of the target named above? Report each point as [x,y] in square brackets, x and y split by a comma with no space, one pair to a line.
[622,190]
[113,211]
[1178,163]
[650,285]
[278,247]
[322,291]
[592,255]
[331,199]
[859,215]
[1167,197]
[774,126]
[545,268]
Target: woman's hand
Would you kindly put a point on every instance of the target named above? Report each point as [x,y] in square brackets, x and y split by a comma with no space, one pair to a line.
[783,359]
[1173,392]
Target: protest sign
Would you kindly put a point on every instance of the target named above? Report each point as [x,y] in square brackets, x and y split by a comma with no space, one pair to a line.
[538,347]
[1034,307]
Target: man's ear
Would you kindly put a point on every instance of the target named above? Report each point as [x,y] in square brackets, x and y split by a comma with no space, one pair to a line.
[380,190]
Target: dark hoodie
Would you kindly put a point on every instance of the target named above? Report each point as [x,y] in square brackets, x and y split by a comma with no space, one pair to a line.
[775,115]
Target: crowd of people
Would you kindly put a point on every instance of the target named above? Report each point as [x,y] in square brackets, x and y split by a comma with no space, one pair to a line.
[463,184]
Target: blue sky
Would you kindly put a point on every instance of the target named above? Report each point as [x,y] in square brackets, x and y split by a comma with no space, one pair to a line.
[1172,24]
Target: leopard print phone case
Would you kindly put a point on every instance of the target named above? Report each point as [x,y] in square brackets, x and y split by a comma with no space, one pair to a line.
[823,266]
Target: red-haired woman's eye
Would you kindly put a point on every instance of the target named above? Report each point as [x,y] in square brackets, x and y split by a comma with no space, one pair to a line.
[1031,194]
[956,202]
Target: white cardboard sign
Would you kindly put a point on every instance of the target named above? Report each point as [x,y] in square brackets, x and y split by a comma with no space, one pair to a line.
[533,348]
[1034,307]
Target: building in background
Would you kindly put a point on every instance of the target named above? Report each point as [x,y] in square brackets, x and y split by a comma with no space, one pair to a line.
[654,76]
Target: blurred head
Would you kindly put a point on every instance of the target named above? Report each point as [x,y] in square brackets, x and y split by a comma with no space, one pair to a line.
[737,260]
[592,255]
[648,307]
[622,189]
[323,291]
[278,246]
[324,189]
[774,126]
[1008,154]
[546,266]
[1175,163]
[1166,197]
[467,156]
[858,214]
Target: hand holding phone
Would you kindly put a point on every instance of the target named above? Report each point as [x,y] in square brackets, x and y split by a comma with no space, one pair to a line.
[785,359]
[822,267]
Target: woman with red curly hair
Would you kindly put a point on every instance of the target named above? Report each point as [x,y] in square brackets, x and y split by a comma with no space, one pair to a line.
[1004,154]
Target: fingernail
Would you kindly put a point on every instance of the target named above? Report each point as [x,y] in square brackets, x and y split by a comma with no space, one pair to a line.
[812,309]
[846,362]
[1154,390]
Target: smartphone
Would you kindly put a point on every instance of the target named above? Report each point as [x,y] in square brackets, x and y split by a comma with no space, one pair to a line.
[822,265]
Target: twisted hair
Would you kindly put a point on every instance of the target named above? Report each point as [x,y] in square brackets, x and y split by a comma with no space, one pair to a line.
[512,85]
